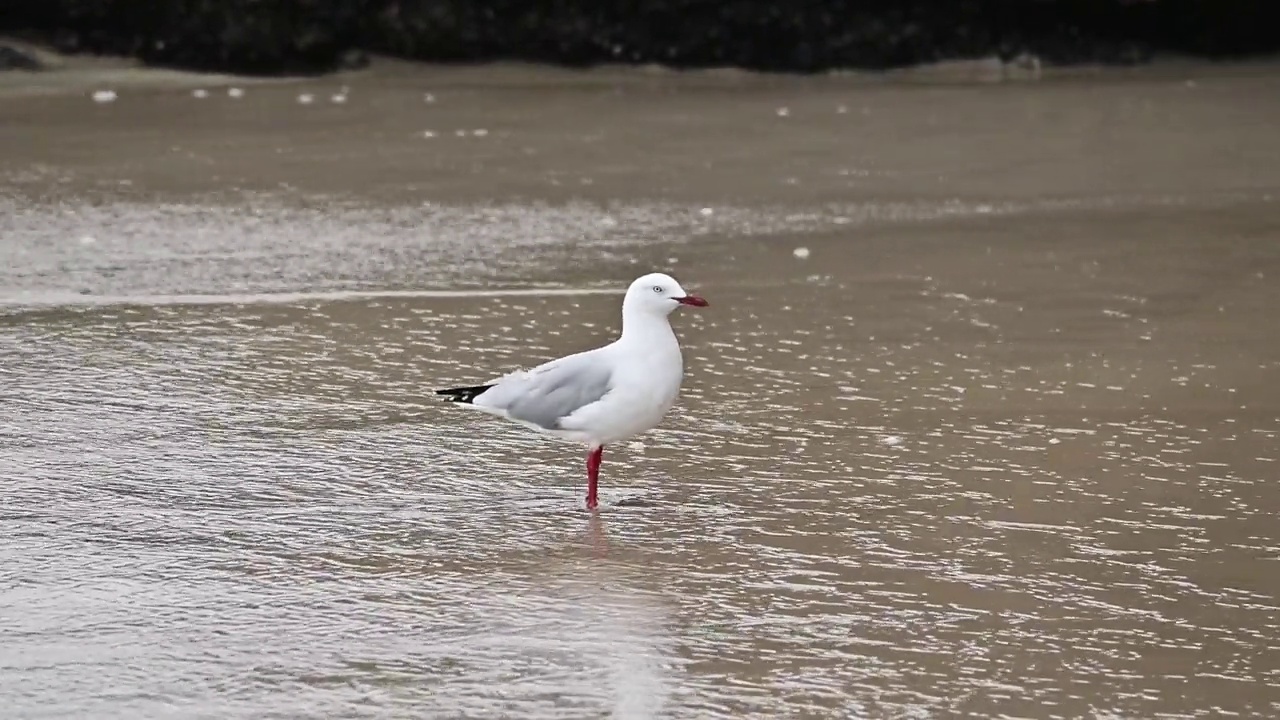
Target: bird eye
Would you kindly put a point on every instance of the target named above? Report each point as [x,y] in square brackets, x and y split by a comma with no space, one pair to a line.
[657,288]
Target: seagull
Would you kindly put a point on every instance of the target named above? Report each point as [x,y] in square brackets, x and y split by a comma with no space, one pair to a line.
[604,395]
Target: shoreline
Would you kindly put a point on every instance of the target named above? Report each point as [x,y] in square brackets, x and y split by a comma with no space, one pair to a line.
[62,74]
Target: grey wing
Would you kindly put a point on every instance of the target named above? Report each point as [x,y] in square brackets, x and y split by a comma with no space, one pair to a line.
[559,390]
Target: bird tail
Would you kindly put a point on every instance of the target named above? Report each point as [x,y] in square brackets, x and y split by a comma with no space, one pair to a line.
[463,394]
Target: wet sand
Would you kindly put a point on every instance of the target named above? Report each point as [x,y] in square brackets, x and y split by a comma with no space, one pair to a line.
[1003,443]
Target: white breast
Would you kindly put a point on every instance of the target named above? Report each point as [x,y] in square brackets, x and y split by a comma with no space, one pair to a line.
[645,384]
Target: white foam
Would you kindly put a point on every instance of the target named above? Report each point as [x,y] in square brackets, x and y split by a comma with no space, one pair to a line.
[31,299]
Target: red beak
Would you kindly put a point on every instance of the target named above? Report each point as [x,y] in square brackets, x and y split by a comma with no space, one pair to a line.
[693,300]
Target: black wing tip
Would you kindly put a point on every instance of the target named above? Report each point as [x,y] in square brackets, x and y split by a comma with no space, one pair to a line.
[463,394]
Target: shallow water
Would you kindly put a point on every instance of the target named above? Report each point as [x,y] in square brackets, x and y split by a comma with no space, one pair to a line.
[1003,443]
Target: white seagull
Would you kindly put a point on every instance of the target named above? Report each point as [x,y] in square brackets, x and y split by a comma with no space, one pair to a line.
[604,395]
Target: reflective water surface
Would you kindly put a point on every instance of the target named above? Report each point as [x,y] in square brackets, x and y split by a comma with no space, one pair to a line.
[994,452]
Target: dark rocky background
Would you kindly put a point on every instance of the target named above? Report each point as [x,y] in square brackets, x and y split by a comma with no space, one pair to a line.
[291,36]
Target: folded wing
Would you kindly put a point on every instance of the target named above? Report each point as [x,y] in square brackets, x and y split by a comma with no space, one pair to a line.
[548,393]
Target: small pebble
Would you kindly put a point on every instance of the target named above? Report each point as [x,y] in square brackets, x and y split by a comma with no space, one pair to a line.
[104,96]
[428,134]
[200,94]
[460,133]
[235,92]
[88,239]
[480,132]
[891,440]
[306,98]
[429,98]
[783,112]
[801,252]
[338,98]
[841,110]
[706,212]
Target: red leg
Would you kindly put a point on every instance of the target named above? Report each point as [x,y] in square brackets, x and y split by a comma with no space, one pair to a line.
[593,474]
